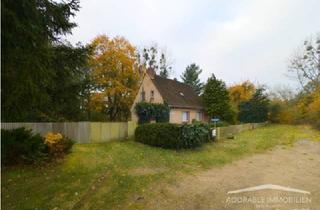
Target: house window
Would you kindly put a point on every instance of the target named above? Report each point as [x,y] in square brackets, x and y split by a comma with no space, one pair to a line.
[185,116]
[199,116]
[151,96]
[143,95]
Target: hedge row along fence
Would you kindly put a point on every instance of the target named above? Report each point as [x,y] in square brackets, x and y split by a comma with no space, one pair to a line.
[152,112]
[173,136]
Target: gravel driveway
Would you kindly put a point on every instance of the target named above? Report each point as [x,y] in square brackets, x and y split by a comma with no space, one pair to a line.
[296,167]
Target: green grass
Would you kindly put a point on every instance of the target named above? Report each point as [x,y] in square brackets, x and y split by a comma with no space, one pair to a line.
[103,176]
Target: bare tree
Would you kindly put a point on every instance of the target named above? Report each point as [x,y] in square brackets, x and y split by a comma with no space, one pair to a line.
[157,59]
[305,64]
[282,92]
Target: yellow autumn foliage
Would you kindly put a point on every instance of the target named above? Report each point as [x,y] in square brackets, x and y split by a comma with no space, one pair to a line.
[241,92]
[306,109]
[115,75]
[52,138]
[314,107]
[58,144]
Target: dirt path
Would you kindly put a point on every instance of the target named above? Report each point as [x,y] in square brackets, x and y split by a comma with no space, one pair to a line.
[297,167]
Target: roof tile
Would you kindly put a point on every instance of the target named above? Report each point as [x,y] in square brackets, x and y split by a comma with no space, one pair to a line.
[177,94]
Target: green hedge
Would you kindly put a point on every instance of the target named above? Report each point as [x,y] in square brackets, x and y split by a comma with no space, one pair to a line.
[152,111]
[173,136]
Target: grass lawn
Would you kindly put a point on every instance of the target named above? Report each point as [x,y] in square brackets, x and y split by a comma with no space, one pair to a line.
[113,175]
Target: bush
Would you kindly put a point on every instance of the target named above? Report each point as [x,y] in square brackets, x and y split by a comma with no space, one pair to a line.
[151,111]
[194,135]
[21,146]
[173,136]
[58,144]
[158,134]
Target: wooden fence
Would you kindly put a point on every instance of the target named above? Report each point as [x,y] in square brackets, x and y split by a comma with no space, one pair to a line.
[224,132]
[96,132]
[82,132]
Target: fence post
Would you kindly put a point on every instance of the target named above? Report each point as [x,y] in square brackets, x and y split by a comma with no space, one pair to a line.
[218,133]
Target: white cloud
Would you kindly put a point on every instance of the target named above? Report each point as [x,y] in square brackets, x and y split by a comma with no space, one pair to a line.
[257,41]
[236,40]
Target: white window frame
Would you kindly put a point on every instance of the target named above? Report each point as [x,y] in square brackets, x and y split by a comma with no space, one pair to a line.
[199,116]
[185,116]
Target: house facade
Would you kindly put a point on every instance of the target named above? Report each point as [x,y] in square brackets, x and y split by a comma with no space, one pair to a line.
[184,103]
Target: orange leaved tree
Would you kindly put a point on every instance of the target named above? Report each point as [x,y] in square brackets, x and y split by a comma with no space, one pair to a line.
[241,92]
[115,76]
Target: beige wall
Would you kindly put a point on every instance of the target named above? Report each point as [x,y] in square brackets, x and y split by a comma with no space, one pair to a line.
[147,85]
[176,115]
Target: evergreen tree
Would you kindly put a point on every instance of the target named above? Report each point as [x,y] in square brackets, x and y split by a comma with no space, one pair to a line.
[256,109]
[38,69]
[191,77]
[216,99]
[69,65]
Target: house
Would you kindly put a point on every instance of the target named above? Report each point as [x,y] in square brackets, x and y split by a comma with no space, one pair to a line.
[184,103]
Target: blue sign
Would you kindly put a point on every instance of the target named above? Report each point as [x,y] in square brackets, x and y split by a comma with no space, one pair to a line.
[215,119]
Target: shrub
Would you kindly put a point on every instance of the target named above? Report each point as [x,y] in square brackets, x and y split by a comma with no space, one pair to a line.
[58,144]
[158,134]
[21,146]
[193,135]
[151,111]
[173,136]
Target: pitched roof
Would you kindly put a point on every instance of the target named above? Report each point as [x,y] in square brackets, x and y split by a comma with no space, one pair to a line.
[177,94]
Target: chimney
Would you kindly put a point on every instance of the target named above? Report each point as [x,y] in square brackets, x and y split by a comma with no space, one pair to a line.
[151,73]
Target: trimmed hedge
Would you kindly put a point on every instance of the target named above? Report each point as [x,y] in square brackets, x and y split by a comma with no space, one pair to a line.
[173,136]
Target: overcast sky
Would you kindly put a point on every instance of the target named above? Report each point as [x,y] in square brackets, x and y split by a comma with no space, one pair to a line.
[235,40]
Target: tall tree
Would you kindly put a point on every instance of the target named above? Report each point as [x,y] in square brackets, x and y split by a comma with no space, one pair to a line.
[256,109]
[191,77]
[216,99]
[115,76]
[305,64]
[31,53]
[69,65]
[149,57]
[241,92]
[165,68]
[158,60]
